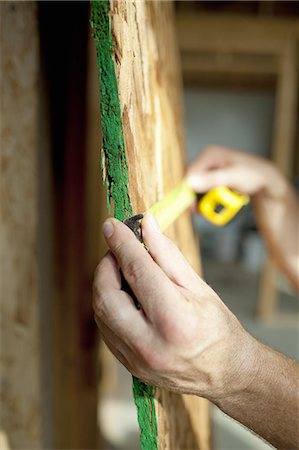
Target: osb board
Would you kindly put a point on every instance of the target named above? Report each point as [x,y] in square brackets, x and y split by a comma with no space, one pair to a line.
[149,90]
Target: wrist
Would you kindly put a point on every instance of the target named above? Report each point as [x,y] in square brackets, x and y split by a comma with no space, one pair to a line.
[240,369]
[275,185]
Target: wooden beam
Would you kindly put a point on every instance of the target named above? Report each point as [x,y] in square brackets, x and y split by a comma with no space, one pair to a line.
[233,50]
[74,343]
[95,245]
[148,83]
[284,136]
[225,69]
[20,309]
[231,64]
[217,33]
[286,119]
[227,49]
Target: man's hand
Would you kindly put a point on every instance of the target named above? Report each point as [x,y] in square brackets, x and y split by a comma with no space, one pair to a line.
[275,201]
[184,338]
[246,173]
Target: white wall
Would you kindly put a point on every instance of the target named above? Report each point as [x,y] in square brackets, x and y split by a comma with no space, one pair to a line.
[226,117]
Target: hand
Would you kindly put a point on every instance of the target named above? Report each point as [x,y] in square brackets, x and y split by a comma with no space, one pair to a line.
[249,174]
[184,338]
[275,201]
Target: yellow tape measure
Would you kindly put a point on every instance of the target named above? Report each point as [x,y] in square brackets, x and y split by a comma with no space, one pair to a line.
[219,205]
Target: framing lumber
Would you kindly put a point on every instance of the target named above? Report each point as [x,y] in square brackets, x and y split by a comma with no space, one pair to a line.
[284,136]
[217,33]
[21,401]
[75,376]
[95,212]
[147,70]
[233,49]
[73,339]
[239,50]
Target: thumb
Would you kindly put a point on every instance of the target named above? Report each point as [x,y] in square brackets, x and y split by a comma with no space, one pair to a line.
[148,282]
[241,179]
[167,255]
[204,181]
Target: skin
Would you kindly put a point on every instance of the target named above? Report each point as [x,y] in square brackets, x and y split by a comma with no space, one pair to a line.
[184,338]
[275,201]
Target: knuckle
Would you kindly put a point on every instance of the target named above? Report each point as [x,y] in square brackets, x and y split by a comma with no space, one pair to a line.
[178,331]
[98,301]
[98,277]
[150,359]
[171,330]
[96,290]
[97,271]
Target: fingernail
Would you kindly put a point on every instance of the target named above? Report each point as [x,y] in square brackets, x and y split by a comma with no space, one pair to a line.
[154,222]
[108,228]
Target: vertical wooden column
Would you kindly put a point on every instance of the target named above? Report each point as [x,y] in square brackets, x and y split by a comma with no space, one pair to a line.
[64,31]
[95,210]
[145,56]
[284,135]
[20,318]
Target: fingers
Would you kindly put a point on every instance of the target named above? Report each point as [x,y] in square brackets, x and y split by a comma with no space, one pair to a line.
[149,283]
[243,178]
[221,166]
[212,157]
[166,254]
[209,169]
[107,270]
[115,345]
[140,358]
[204,181]
[113,306]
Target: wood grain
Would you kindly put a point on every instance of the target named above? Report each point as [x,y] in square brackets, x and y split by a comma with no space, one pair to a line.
[20,318]
[149,89]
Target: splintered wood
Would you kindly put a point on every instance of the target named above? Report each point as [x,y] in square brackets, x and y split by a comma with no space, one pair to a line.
[149,85]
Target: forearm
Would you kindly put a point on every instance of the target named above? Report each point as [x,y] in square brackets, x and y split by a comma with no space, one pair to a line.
[275,203]
[268,402]
[278,219]
[186,339]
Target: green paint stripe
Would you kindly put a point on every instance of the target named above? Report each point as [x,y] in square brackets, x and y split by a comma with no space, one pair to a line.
[115,174]
[114,163]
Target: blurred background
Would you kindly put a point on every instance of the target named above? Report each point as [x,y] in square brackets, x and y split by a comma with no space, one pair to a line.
[240,89]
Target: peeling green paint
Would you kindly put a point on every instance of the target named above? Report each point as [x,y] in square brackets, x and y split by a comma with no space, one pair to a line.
[115,176]
[146,412]
[114,163]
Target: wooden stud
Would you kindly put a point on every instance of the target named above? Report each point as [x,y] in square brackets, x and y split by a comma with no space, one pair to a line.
[74,343]
[20,310]
[146,63]
[260,52]
[284,135]
[234,33]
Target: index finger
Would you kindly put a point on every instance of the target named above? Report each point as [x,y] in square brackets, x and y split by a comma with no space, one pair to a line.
[149,283]
[107,272]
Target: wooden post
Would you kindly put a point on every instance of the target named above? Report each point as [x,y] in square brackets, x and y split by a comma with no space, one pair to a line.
[64,30]
[147,69]
[284,135]
[20,315]
[96,212]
